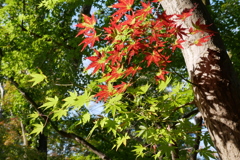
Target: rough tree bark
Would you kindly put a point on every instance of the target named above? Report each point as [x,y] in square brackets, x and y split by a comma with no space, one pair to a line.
[217,89]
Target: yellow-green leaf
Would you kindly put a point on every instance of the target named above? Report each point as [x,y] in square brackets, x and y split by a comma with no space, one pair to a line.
[122,140]
[86,118]
[38,128]
[34,115]
[59,113]
[52,102]
[37,78]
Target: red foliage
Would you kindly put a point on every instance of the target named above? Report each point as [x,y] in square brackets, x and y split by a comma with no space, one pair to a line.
[186,13]
[198,27]
[123,5]
[136,39]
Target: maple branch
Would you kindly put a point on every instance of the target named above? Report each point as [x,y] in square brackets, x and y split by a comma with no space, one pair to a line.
[61,132]
[188,103]
[190,113]
[81,141]
[175,109]
[183,77]
[26,96]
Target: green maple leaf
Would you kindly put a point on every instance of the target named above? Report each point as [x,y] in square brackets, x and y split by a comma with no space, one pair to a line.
[113,105]
[52,102]
[139,150]
[34,115]
[70,101]
[59,113]
[38,128]
[156,156]
[144,88]
[122,140]
[86,118]
[83,99]
[37,78]
[163,84]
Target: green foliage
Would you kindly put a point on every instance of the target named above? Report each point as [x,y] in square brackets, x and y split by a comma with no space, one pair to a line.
[34,115]
[11,141]
[226,18]
[38,128]
[121,140]
[207,153]
[146,121]
[37,78]
[52,102]
[140,150]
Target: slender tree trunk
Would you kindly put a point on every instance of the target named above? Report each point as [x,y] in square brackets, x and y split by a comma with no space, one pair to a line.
[25,141]
[42,144]
[1,96]
[216,89]
[198,120]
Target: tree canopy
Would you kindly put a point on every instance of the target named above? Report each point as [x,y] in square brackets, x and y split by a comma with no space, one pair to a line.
[136,82]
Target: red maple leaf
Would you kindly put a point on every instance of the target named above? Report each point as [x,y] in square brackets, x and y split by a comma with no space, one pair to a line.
[116,56]
[161,74]
[165,19]
[87,25]
[164,60]
[122,87]
[105,93]
[113,31]
[200,28]
[115,73]
[186,13]
[177,44]
[90,40]
[132,21]
[98,62]
[132,70]
[145,11]
[178,31]
[156,0]
[133,49]
[153,57]
[123,5]
[199,42]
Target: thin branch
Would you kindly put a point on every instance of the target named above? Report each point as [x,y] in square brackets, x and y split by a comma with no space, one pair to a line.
[173,70]
[62,133]
[175,109]
[26,96]
[190,113]
[81,141]
[189,103]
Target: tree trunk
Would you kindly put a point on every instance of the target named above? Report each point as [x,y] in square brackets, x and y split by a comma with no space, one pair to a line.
[1,96]
[25,141]
[42,145]
[216,89]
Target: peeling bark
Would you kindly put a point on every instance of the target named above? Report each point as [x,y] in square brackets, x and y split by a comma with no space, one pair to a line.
[217,90]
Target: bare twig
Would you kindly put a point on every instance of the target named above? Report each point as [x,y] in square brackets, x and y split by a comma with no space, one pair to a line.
[173,70]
